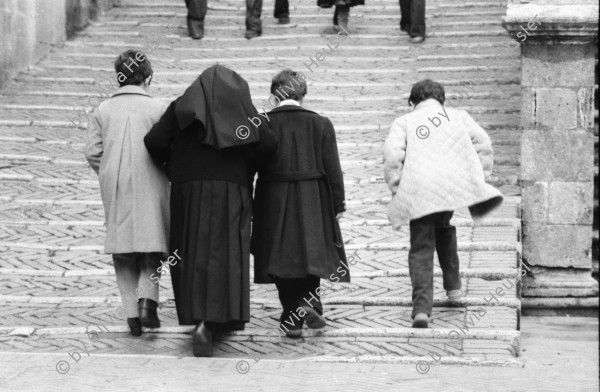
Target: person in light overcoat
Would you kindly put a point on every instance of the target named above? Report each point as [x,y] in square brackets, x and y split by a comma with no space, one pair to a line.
[134,190]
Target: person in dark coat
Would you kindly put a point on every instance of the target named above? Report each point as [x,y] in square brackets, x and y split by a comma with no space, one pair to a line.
[341,14]
[296,238]
[212,141]
[197,11]
[412,19]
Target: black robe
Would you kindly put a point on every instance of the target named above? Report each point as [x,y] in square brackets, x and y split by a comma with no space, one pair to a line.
[211,206]
[298,194]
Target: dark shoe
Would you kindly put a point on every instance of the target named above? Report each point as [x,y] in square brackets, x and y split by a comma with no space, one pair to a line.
[252,34]
[195,28]
[417,40]
[404,28]
[293,333]
[148,315]
[421,321]
[313,319]
[135,326]
[284,20]
[202,341]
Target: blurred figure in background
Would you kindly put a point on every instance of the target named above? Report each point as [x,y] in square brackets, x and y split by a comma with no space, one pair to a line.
[412,19]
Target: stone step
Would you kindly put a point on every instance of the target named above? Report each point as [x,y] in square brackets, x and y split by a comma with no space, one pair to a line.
[356,237]
[18,154]
[444,346]
[484,264]
[378,289]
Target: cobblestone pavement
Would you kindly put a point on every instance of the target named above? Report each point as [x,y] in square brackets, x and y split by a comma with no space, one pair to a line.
[57,289]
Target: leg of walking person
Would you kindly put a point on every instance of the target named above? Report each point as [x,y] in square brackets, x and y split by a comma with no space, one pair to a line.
[405,15]
[148,288]
[446,247]
[420,266]
[253,22]
[127,271]
[311,302]
[417,18]
[290,293]
[343,15]
[195,17]
[282,11]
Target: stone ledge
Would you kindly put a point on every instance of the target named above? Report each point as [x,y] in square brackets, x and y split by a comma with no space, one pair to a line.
[572,24]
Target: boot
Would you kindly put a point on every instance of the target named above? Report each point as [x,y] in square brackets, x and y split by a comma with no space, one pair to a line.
[148,316]
[202,341]
[135,326]
[195,28]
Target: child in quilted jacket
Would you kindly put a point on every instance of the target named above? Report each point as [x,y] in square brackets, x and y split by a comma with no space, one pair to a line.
[436,160]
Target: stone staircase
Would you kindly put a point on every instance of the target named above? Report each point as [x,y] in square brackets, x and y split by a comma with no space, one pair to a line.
[57,288]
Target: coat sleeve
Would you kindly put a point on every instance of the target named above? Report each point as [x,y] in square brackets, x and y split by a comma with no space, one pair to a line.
[159,140]
[482,143]
[94,148]
[267,145]
[333,168]
[394,153]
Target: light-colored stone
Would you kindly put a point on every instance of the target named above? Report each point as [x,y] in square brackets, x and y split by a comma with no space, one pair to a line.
[557,155]
[557,245]
[556,108]
[570,202]
[535,202]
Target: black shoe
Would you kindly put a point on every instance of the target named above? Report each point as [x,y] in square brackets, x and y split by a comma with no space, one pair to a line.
[313,319]
[202,341]
[252,34]
[405,28]
[195,28]
[148,315]
[135,326]
[284,20]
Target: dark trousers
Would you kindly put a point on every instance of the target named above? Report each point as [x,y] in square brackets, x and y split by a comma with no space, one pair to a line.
[412,17]
[197,11]
[428,234]
[282,9]
[294,293]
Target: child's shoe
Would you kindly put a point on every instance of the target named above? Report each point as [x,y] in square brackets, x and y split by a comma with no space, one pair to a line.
[148,315]
[421,320]
[455,295]
[313,319]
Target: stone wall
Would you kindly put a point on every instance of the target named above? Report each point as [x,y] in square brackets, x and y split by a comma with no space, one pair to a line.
[29,28]
[558,51]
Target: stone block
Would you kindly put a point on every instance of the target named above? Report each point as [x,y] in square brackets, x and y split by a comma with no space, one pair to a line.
[557,245]
[585,108]
[535,202]
[556,108]
[570,202]
[558,65]
[556,155]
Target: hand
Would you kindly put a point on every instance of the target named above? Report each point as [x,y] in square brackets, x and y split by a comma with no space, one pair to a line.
[339,216]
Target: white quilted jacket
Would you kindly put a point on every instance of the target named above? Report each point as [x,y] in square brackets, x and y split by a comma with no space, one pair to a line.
[437,159]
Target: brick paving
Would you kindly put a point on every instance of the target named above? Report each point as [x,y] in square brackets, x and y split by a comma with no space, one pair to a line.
[57,288]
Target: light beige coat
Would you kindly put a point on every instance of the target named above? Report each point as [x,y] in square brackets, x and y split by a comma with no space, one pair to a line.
[437,159]
[134,189]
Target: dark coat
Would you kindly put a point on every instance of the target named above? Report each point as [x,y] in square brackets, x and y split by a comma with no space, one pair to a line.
[298,194]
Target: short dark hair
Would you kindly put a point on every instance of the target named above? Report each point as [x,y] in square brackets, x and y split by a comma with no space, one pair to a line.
[289,84]
[426,89]
[132,68]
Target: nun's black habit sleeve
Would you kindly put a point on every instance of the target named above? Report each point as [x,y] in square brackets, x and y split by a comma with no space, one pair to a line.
[159,140]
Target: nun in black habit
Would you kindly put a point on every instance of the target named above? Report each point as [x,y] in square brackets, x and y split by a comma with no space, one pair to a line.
[211,150]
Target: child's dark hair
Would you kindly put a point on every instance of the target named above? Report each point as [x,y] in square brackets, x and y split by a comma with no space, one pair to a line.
[426,89]
[133,68]
[289,84]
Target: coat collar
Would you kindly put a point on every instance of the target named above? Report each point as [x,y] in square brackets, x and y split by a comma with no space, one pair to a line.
[290,108]
[428,103]
[129,89]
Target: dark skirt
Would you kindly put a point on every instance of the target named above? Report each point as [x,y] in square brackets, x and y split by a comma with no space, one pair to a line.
[210,229]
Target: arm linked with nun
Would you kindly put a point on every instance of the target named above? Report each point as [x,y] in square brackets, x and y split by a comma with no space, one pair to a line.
[159,140]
